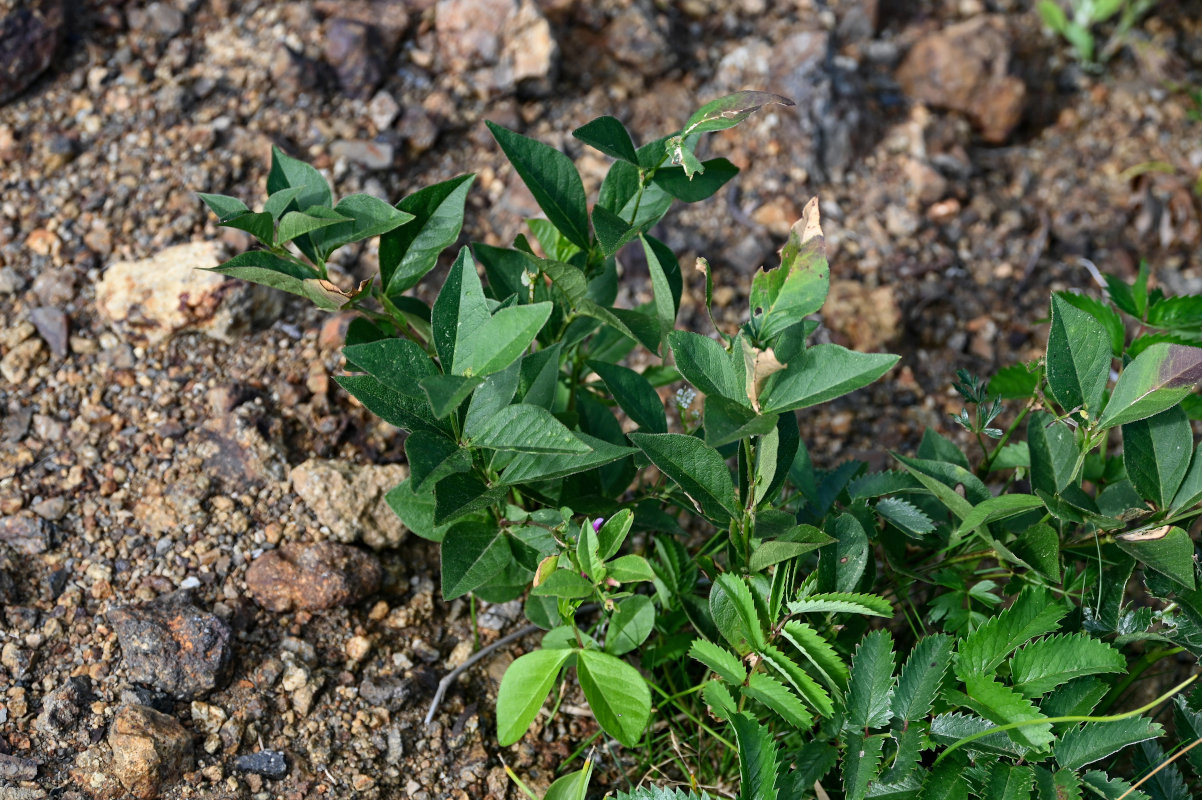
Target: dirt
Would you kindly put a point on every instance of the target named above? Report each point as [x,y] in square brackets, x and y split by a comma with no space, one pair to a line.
[137,463]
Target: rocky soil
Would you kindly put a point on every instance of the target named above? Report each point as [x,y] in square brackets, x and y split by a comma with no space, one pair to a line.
[201,592]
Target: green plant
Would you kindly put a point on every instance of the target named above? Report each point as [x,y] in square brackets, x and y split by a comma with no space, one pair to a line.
[1086,16]
[761,594]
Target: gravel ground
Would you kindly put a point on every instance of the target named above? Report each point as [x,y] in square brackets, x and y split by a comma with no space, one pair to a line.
[202,595]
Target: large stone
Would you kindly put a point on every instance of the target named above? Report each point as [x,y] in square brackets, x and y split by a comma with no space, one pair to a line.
[512,37]
[157,297]
[151,750]
[61,708]
[311,577]
[25,533]
[966,67]
[349,499]
[30,31]
[171,645]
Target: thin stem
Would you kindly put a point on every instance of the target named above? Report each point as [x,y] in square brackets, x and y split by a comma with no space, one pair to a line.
[1163,764]
[985,465]
[1133,674]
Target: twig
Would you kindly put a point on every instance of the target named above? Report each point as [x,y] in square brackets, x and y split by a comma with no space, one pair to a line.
[451,676]
[1163,764]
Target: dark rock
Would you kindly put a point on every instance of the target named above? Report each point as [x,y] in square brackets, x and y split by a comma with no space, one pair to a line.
[312,577]
[25,533]
[62,707]
[383,690]
[29,35]
[151,751]
[141,696]
[53,326]
[171,645]
[15,768]
[268,763]
[352,49]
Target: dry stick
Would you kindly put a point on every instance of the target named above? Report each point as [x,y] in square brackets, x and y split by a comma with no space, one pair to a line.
[446,682]
[1163,764]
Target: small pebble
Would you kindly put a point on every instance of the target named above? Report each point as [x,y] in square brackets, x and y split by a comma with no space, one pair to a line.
[268,763]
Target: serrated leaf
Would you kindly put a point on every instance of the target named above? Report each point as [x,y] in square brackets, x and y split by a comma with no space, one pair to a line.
[1184,311]
[945,782]
[1047,663]
[617,694]
[1015,382]
[697,468]
[735,614]
[1062,784]
[524,689]
[776,696]
[842,603]
[719,660]
[722,704]
[920,678]
[1093,741]
[1010,782]
[757,759]
[796,677]
[861,762]
[947,729]
[1157,379]
[819,652]
[870,689]
[1164,780]
[1102,785]
[1003,705]
[551,178]
[909,742]
[905,515]
[1033,614]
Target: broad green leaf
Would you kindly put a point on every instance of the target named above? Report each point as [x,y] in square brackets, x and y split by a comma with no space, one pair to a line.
[842,564]
[1015,382]
[1039,546]
[920,678]
[556,246]
[399,364]
[525,429]
[588,554]
[459,494]
[819,652]
[697,468]
[635,325]
[997,508]
[861,763]
[459,311]
[630,624]
[281,200]
[757,758]
[538,377]
[1103,313]
[502,339]
[781,297]
[447,392]
[1190,493]
[823,372]
[1157,379]
[1053,451]
[1093,741]
[368,216]
[409,252]
[224,206]
[295,224]
[610,136]
[613,532]
[869,605]
[1054,17]
[706,365]
[631,569]
[1172,555]
[800,540]
[870,689]
[1010,782]
[714,174]
[726,421]
[564,583]
[530,467]
[905,516]
[313,191]
[613,232]
[551,178]
[635,395]
[573,786]
[1078,358]
[407,413]
[524,689]
[720,660]
[729,110]
[1047,663]
[776,696]
[415,510]
[734,613]
[1156,452]
[1033,614]
[261,267]
[432,457]
[616,693]
[494,394]
[472,553]
[1003,705]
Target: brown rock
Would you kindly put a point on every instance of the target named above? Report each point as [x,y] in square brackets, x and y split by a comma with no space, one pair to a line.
[171,645]
[469,31]
[311,577]
[151,750]
[965,67]
[18,362]
[53,326]
[93,773]
[25,533]
[349,499]
[864,318]
[29,35]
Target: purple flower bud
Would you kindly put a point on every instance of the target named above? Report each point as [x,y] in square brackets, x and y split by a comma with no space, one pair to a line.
[597,523]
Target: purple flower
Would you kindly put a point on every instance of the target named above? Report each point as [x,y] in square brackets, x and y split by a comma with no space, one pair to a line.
[597,523]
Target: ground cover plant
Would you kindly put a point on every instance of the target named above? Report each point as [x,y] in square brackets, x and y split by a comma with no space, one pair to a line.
[963,625]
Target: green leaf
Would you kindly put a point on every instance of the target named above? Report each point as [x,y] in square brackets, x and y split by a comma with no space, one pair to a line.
[399,364]
[805,686]
[1177,312]
[1109,788]
[1010,782]
[265,269]
[697,468]
[1172,555]
[459,494]
[843,603]
[1060,785]
[841,565]
[781,297]
[472,553]
[714,174]
[945,782]
[565,584]
[720,660]
[1015,382]
[757,758]
[726,421]
[1039,546]
[494,394]
[1156,453]
[905,515]
[1053,452]
[997,508]
[224,206]
[295,224]
[823,372]
[524,689]
[1003,705]
[1053,661]
[909,741]
[1033,614]
[666,296]
[920,678]
[719,699]
[635,395]
[947,729]
[525,429]
[459,311]
[432,457]
[1107,316]
[630,624]
[776,696]
[801,539]
[631,569]
[447,392]
[610,136]
[1078,358]
[613,232]
[313,191]
[1053,16]
[729,110]
[280,201]
[706,365]
[407,413]
[735,615]
[502,339]
[573,786]
[551,178]
[530,467]
[409,252]
[819,652]
[861,763]
[367,216]
[617,694]
[614,532]
[415,510]
[1093,741]
[1190,493]
[870,690]
[1157,379]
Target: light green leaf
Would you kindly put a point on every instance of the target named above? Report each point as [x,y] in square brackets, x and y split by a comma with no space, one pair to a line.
[631,569]
[720,660]
[729,110]
[781,297]
[502,339]
[630,624]
[776,696]
[819,652]
[1078,358]
[997,508]
[614,532]
[265,269]
[399,364]
[525,429]
[1157,379]
[447,392]
[1003,705]
[822,373]
[1033,614]
[842,603]
[805,686]
[734,613]
[905,515]
[1010,782]
[564,583]
[524,689]
[706,365]
[459,311]
[531,467]
[617,694]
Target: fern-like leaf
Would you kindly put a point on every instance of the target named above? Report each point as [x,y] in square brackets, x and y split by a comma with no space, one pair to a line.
[1033,614]
[719,699]
[757,759]
[1003,705]
[720,660]
[801,682]
[906,516]
[1052,661]
[819,652]
[905,789]
[861,762]
[905,758]
[1166,783]
[843,603]
[947,729]
[871,685]
[776,696]
[1010,782]
[920,677]
[1093,741]
[1060,785]
[946,781]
